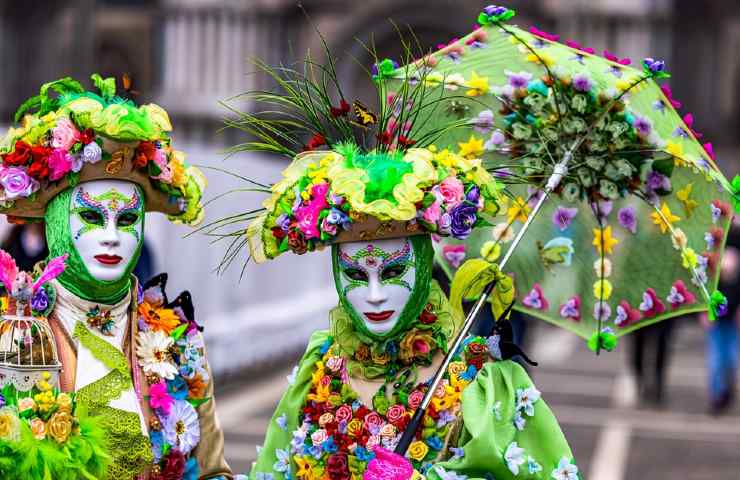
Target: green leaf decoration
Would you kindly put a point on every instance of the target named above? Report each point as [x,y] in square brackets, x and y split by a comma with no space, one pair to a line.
[179,331]
[197,402]
[107,86]
[605,340]
[736,193]
[717,305]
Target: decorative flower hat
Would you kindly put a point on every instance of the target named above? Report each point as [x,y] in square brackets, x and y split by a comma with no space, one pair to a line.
[343,195]
[377,176]
[77,136]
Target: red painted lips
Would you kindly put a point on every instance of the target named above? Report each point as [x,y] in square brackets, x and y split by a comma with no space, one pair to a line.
[379,316]
[108,259]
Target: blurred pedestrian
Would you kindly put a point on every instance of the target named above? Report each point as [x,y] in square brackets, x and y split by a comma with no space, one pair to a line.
[26,244]
[721,335]
[650,355]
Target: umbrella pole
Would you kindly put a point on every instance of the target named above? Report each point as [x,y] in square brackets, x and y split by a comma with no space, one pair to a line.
[409,434]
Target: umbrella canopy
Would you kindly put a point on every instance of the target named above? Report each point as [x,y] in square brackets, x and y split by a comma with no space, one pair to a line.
[633,230]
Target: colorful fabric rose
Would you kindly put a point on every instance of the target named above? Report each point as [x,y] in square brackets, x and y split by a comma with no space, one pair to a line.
[65,134]
[464,216]
[17,183]
[60,163]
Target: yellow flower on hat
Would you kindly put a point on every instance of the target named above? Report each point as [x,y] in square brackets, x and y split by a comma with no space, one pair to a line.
[418,450]
[519,210]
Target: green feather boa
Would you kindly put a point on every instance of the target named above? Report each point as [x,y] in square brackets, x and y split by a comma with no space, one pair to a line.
[82,456]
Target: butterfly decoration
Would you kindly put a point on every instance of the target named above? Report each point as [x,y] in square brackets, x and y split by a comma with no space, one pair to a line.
[341,111]
[183,303]
[684,196]
[101,320]
[128,85]
[365,117]
[558,251]
[457,109]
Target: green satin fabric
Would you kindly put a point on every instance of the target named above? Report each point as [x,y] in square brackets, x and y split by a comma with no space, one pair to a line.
[76,278]
[423,262]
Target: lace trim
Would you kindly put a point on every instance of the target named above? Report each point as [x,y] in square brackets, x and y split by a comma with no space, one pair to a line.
[106,353]
[131,451]
[105,390]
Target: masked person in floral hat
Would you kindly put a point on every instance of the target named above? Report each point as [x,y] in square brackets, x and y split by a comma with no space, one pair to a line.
[360,382]
[90,164]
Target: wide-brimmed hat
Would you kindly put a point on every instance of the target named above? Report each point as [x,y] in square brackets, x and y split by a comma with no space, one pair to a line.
[68,135]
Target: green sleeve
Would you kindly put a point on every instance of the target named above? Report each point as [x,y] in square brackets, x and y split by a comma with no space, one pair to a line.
[489,405]
[285,419]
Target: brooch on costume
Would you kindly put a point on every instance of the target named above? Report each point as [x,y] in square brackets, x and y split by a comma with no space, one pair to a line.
[101,320]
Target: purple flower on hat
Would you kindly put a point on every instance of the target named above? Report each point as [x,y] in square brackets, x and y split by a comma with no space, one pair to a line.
[17,183]
[534,194]
[283,221]
[602,311]
[444,224]
[582,83]
[464,217]
[628,218]
[484,122]
[563,216]
[473,195]
[92,153]
[602,209]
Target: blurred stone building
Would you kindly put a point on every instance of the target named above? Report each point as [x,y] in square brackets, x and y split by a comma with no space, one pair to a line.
[189,55]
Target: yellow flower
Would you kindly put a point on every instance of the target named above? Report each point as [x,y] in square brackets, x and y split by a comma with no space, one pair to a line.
[676,149]
[445,158]
[38,428]
[477,85]
[60,426]
[305,470]
[418,450]
[456,368]
[688,259]
[322,393]
[604,242]
[542,58]
[354,427]
[416,344]
[10,425]
[473,148]
[177,165]
[519,210]
[490,251]
[3,304]
[603,289]
[664,218]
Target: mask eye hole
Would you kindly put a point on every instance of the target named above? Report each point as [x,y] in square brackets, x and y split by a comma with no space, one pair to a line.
[127,219]
[356,274]
[394,271]
[92,217]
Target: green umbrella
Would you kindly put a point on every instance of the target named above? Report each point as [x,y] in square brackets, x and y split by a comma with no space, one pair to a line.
[617,215]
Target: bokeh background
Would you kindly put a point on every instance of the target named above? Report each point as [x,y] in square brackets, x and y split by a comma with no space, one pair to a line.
[189,55]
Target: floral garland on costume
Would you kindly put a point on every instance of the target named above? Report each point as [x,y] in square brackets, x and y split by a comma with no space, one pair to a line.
[171,353]
[337,433]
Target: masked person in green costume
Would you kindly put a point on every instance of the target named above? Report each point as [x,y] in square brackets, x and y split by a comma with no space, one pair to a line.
[90,164]
[360,382]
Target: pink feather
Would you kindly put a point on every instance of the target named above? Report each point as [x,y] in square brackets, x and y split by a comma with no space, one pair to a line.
[53,269]
[8,270]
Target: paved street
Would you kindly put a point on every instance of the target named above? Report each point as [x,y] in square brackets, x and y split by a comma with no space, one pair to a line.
[613,437]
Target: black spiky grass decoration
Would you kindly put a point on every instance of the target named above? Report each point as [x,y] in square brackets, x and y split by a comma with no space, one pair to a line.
[308,110]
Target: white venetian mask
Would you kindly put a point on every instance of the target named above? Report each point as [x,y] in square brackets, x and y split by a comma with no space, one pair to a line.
[377,279]
[106,219]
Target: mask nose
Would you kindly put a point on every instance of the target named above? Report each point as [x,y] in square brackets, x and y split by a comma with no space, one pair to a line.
[376,293]
[110,238]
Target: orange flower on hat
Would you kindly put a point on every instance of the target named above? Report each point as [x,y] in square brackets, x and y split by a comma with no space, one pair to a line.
[196,386]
